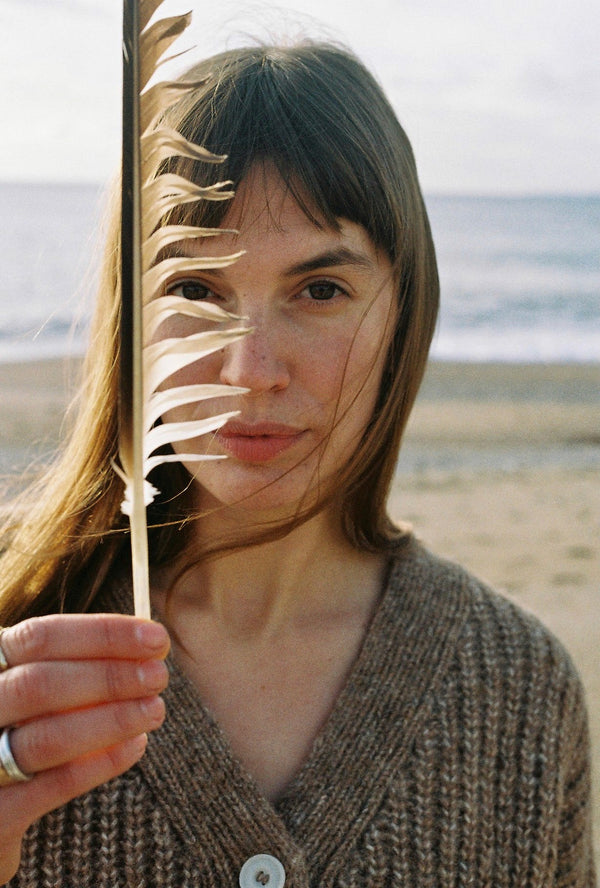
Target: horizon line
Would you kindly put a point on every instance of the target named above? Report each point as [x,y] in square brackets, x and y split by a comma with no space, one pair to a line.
[509,194]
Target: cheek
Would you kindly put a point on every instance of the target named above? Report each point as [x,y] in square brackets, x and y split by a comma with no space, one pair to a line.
[364,368]
[322,375]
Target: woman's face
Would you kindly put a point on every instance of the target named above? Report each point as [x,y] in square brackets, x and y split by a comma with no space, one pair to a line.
[321,306]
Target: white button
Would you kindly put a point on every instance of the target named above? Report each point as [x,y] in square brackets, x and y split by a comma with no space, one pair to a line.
[262,871]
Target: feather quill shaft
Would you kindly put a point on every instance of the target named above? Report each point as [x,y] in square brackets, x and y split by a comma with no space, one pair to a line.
[147,360]
[131,399]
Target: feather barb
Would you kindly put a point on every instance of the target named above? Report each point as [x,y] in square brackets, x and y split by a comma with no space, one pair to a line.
[146,360]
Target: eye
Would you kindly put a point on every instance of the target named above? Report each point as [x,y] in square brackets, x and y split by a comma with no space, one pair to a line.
[193,290]
[323,291]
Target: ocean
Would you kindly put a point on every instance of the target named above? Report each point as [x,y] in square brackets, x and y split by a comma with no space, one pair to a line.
[520,276]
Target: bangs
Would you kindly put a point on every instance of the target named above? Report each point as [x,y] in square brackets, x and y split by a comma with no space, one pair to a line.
[275,107]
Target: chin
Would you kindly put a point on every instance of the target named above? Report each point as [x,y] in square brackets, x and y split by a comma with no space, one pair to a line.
[256,495]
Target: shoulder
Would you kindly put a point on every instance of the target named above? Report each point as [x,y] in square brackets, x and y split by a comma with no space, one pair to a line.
[497,670]
[498,716]
[492,636]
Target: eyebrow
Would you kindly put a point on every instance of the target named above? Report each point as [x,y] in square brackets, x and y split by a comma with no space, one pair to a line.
[327,259]
[331,259]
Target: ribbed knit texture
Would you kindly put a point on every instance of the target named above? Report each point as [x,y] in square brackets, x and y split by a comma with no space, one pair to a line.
[457,755]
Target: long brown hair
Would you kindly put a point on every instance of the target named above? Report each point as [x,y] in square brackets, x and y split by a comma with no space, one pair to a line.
[316,114]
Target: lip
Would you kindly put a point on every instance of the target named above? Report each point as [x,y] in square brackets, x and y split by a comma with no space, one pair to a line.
[257,442]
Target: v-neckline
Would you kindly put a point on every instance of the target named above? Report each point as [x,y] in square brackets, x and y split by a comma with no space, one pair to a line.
[381,708]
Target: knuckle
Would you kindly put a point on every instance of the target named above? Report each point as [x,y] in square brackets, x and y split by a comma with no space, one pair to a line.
[114,681]
[29,687]
[38,747]
[107,631]
[29,639]
[115,631]
[67,782]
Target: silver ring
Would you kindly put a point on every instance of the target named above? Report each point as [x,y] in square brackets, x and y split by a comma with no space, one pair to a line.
[3,661]
[10,772]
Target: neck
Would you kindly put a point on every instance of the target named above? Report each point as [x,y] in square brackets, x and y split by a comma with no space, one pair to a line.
[311,574]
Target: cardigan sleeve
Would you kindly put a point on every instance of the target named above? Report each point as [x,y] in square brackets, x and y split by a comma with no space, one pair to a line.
[575,858]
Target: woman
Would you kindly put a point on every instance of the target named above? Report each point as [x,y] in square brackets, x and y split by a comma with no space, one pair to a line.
[343,708]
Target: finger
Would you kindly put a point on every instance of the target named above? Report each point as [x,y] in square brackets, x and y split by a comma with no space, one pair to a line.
[51,742]
[38,689]
[23,803]
[84,636]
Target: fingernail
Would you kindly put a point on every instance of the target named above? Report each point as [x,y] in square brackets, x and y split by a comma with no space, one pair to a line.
[138,745]
[153,675]
[154,709]
[152,635]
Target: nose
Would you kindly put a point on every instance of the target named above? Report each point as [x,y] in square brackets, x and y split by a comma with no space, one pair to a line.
[257,361]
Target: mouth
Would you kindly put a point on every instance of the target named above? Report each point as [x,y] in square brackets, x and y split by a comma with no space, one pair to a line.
[257,442]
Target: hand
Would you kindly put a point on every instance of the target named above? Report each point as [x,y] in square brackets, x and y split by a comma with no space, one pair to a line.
[80,694]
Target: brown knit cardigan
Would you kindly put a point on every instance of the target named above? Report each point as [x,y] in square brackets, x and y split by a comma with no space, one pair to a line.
[456,755]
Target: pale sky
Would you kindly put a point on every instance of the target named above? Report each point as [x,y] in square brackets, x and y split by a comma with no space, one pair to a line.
[497,96]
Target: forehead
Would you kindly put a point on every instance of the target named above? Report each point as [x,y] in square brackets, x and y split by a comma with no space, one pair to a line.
[267,218]
[264,201]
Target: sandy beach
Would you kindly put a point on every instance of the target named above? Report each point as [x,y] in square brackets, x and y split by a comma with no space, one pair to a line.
[500,471]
